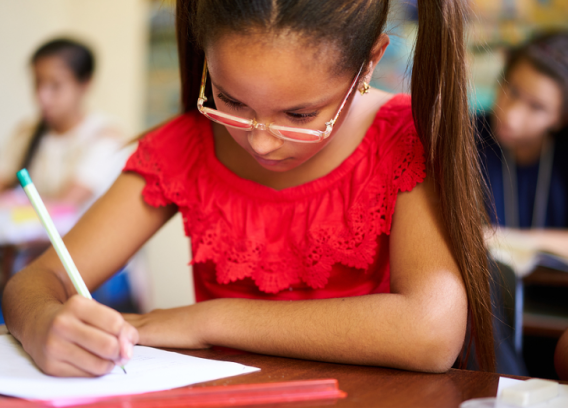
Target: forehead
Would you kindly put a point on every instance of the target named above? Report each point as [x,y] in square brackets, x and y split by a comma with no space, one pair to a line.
[52,65]
[268,65]
[537,85]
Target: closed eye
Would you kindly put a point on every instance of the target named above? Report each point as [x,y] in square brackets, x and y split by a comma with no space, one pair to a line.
[302,117]
[231,103]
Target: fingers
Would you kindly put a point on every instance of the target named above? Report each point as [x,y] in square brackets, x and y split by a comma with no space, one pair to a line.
[86,338]
[127,338]
[97,315]
[70,360]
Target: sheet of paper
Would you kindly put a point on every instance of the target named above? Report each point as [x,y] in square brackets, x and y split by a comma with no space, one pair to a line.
[560,401]
[149,370]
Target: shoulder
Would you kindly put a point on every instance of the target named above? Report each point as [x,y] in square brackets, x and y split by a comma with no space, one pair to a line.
[169,154]
[178,140]
[396,146]
[100,126]
[392,132]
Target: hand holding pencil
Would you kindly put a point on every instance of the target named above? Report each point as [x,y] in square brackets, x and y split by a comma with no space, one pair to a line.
[84,338]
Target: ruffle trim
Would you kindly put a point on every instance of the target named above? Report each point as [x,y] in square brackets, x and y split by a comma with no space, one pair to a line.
[352,243]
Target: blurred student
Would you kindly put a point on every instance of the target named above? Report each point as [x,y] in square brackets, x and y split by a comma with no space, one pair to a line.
[524,143]
[524,146]
[73,155]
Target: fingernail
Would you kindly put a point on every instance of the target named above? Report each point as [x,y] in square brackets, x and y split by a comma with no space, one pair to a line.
[129,351]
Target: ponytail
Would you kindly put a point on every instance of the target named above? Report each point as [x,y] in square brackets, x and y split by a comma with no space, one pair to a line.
[440,110]
[39,131]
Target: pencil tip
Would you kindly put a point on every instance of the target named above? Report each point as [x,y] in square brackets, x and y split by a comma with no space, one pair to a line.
[124,369]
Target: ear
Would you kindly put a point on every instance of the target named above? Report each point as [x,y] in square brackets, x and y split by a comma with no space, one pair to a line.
[86,86]
[376,54]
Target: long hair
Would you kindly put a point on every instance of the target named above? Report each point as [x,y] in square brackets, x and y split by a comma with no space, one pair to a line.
[80,61]
[439,103]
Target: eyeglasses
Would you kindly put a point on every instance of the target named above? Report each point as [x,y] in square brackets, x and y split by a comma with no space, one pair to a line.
[293,134]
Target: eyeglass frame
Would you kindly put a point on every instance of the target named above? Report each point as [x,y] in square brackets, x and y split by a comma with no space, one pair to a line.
[253,124]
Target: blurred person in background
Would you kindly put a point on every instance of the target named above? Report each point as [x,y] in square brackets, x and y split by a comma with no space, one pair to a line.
[73,155]
[523,144]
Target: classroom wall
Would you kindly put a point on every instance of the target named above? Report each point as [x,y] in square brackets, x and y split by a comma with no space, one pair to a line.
[118,32]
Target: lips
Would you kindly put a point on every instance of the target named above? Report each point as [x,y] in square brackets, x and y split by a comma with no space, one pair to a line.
[267,162]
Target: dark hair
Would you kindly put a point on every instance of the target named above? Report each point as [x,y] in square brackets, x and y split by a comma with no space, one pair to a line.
[80,61]
[439,102]
[548,54]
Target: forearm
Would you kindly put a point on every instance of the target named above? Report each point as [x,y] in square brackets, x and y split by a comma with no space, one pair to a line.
[385,330]
[551,240]
[30,294]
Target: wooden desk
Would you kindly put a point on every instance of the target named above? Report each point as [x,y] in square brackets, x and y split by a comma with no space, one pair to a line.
[365,386]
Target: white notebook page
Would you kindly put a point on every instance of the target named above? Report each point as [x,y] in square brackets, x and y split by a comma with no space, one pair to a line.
[149,370]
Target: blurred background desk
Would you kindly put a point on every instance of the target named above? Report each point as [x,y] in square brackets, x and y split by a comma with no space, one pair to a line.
[23,238]
[545,318]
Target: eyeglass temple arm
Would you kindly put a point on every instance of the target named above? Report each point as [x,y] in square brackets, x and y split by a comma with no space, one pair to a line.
[332,122]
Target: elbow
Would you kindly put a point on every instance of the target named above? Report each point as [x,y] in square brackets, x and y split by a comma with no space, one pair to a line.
[437,346]
[437,357]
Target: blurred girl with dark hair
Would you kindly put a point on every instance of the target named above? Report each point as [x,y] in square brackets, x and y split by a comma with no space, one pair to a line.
[328,220]
[524,145]
[72,155]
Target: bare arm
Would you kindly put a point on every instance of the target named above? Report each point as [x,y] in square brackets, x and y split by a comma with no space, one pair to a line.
[69,335]
[546,239]
[551,240]
[419,326]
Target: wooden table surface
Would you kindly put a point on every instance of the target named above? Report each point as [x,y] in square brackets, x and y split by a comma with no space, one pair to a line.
[365,386]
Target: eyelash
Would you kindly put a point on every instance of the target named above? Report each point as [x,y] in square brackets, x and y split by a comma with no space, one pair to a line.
[230,103]
[296,117]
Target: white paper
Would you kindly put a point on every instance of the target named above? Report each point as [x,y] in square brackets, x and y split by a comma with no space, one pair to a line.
[560,401]
[149,370]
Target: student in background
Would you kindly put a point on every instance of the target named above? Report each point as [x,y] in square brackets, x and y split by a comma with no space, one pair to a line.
[524,145]
[326,223]
[72,155]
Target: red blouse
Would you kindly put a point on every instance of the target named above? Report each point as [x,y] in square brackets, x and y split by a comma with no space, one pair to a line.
[323,239]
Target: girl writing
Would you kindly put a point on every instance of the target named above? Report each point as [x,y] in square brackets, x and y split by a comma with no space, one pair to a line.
[296,182]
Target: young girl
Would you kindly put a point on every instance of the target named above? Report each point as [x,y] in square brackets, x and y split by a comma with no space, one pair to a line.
[524,145]
[287,176]
[72,154]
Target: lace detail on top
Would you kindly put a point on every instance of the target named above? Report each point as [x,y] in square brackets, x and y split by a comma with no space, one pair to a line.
[287,237]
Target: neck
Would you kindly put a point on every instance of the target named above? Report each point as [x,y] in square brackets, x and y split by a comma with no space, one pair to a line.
[526,155]
[69,122]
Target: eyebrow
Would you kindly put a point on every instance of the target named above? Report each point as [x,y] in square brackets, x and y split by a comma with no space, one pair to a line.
[316,105]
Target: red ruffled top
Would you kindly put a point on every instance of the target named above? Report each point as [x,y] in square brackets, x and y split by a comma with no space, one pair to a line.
[326,238]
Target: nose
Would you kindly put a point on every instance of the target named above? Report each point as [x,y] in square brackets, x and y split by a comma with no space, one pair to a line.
[263,142]
[514,116]
[43,96]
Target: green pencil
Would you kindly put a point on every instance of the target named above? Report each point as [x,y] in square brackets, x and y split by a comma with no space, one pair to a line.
[54,237]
